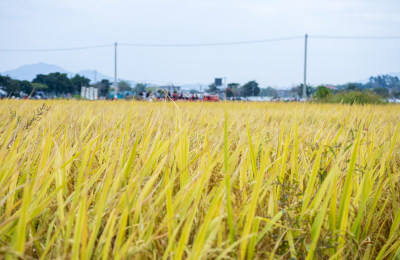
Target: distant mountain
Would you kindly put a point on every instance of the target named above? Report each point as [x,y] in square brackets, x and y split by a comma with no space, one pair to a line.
[29,72]
[94,75]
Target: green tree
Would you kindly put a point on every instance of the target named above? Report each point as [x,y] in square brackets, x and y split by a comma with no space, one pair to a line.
[235,88]
[80,81]
[383,92]
[250,89]
[11,86]
[383,81]
[298,91]
[139,87]
[229,92]
[161,93]
[359,97]
[58,83]
[352,87]
[104,87]
[212,89]
[124,86]
[39,87]
[269,92]
[396,92]
[26,87]
[322,92]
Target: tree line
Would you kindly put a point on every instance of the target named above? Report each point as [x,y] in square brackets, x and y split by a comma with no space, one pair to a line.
[55,84]
[376,90]
[248,89]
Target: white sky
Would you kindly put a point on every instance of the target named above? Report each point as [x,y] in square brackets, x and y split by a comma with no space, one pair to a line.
[41,24]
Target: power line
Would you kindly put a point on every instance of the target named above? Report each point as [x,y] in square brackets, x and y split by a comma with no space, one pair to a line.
[211,43]
[338,37]
[158,45]
[59,49]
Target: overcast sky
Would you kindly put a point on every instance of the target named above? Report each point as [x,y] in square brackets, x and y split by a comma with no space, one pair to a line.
[38,24]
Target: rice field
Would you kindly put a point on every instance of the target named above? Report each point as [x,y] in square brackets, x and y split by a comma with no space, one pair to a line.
[136,180]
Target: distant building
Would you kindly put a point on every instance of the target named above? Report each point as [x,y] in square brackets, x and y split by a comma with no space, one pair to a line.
[170,88]
[284,93]
[332,87]
[218,82]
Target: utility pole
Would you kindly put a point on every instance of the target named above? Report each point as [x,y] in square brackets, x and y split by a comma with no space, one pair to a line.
[226,86]
[305,68]
[115,72]
[95,76]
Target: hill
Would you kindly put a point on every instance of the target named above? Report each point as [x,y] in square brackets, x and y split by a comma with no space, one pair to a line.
[94,75]
[29,72]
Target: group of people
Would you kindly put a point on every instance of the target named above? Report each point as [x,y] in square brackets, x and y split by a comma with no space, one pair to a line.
[170,96]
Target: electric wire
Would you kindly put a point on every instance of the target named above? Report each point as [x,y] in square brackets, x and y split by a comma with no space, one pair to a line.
[338,37]
[211,43]
[58,49]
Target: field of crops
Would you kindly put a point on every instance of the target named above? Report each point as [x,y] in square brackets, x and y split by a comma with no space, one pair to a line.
[138,180]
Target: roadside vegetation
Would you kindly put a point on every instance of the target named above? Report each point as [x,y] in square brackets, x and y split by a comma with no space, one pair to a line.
[325,95]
